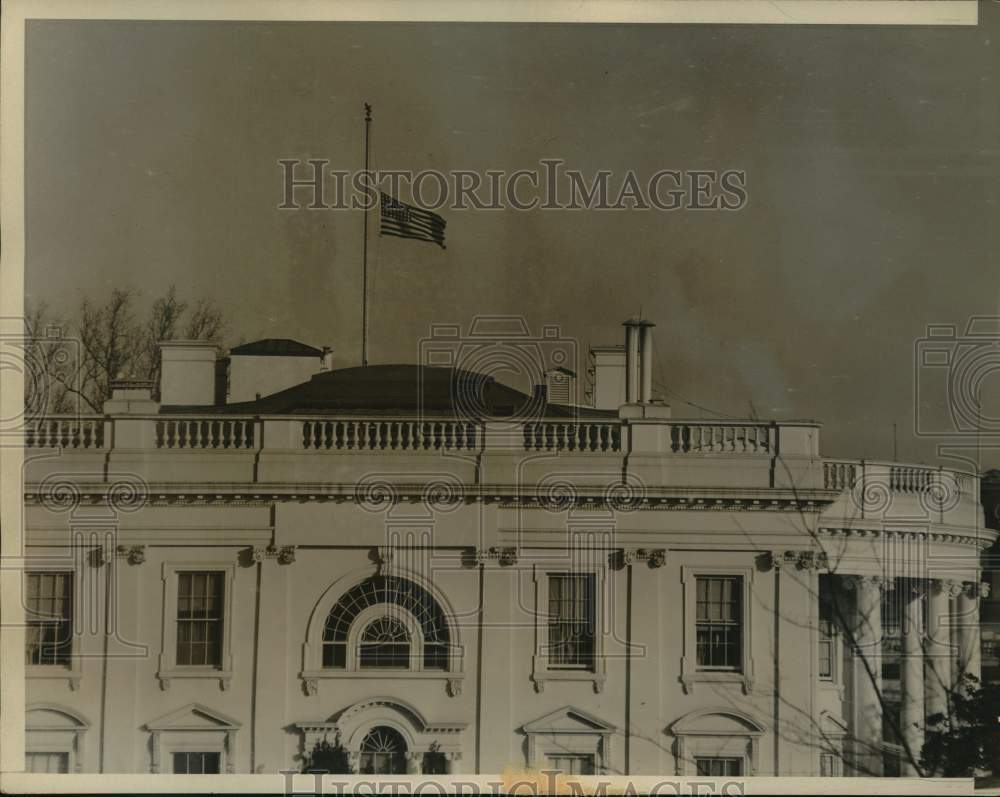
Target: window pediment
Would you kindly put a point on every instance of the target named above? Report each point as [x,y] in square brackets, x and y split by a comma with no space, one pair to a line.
[569,720]
[193,717]
[717,722]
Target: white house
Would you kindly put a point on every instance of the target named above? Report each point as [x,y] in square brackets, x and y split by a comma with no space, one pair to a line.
[404,568]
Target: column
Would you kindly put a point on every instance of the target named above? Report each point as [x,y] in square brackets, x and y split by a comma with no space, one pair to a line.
[912,676]
[413,763]
[967,620]
[937,672]
[868,671]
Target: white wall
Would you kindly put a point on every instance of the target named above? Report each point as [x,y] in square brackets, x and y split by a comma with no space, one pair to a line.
[251,374]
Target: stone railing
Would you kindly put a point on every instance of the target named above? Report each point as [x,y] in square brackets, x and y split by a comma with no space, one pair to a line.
[572,436]
[839,474]
[205,433]
[68,432]
[897,478]
[719,437]
[389,435]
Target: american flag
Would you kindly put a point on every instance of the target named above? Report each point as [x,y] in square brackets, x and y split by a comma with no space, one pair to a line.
[406,221]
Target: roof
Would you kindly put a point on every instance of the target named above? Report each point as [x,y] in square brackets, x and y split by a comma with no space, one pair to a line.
[402,390]
[277,347]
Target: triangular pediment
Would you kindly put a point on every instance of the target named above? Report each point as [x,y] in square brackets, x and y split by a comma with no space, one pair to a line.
[569,720]
[193,717]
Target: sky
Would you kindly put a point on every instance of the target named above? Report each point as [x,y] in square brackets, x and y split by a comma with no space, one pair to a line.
[872,158]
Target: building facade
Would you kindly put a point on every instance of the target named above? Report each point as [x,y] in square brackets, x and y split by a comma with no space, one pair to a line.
[417,569]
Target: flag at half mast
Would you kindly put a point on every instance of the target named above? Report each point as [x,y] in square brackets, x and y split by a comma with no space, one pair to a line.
[407,221]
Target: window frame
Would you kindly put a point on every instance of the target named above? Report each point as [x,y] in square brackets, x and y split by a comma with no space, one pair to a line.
[73,673]
[691,672]
[542,670]
[175,753]
[67,737]
[168,668]
[65,753]
[551,754]
[740,760]
[313,671]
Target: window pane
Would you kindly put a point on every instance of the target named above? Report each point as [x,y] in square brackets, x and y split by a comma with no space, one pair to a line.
[571,620]
[200,607]
[719,622]
[196,763]
[719,767]
[572,763]
[49,763]
[49,618]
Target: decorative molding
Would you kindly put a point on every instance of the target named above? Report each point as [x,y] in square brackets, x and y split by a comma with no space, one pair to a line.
[972,540]
[454,687]
[285,554]
[653,557]
[133,554]
[505,556]
[801,560]
[311,686]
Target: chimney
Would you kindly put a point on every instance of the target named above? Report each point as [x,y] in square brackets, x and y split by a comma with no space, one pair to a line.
[631,360]
[187,372]
[607,374]
[646,361]
[130,396]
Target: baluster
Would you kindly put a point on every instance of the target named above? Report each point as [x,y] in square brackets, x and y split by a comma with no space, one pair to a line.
[459,436]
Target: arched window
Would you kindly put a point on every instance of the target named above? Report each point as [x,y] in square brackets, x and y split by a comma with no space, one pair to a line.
[383,752]
[387,641]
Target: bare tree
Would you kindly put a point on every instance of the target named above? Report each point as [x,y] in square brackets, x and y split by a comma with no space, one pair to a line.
[110,343]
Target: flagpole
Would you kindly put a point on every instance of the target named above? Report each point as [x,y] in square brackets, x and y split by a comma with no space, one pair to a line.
[364,251]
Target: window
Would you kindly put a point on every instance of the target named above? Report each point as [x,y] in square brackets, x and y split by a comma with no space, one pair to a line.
[571,621]
[49,763]
[385,642]
[49,615]
[434,763]
[827,648]
[383,752]
[719,622]
[829,765]
[719,767]
[572,763]
[828,644]
[198,616]
[196,763]
[200,609]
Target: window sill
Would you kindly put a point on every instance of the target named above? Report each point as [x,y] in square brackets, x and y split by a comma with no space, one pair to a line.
[453,680]
[72,675]
[223,676]
[689,679]
[541,676]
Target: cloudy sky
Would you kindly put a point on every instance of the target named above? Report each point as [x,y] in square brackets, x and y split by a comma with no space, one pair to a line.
[872,158]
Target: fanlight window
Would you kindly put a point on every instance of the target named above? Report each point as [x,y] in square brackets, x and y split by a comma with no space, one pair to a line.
[383,752]
[386,642]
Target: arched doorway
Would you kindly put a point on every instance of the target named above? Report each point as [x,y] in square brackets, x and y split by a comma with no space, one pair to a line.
[383,752]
